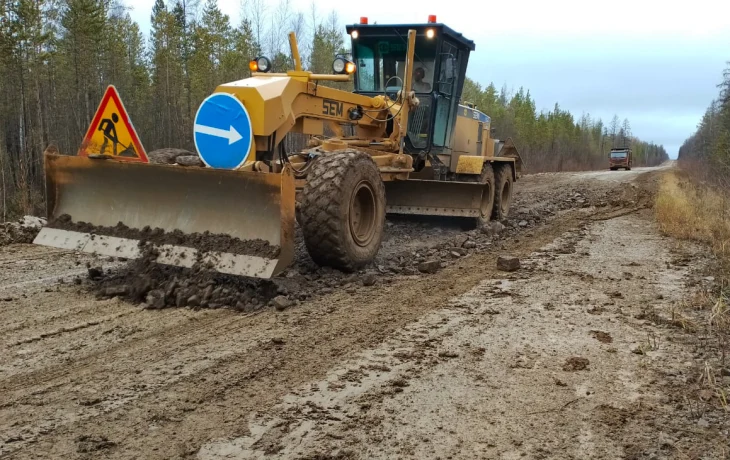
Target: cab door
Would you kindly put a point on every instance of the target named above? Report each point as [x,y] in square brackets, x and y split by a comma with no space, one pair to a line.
[446,95]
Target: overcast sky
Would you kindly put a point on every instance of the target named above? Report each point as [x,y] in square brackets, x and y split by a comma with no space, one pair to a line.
[653,62]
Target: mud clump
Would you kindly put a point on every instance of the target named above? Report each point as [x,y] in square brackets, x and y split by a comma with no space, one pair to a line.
[155,299]
[429,266]
[281,302]
[22,231]
[86,444]
[155,286]
[493,228]
[508,263]
[369,280]
[170,156]
[203,242]
[575,363]
[94,272]
[189,160]
[603,337]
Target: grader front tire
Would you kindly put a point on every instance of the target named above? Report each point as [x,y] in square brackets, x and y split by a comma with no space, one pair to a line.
[342,211]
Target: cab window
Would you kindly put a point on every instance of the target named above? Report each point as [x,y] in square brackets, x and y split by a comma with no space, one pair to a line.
[381,63]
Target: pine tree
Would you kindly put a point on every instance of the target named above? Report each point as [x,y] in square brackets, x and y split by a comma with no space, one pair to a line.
[167,79]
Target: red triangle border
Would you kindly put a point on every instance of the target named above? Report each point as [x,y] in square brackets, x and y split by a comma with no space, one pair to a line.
[111,93]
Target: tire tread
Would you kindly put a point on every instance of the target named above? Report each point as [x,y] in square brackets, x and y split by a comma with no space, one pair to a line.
[322,201]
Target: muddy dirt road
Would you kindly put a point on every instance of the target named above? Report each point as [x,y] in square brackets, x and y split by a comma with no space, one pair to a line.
[431,353]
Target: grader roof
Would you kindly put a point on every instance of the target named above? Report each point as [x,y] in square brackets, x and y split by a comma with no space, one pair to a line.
[441,30]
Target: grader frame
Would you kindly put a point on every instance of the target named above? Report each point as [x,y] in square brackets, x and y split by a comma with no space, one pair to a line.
[343,184]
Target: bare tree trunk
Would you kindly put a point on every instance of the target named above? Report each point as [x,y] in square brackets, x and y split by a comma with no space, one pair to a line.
[168,131]
[41,129]
[2,171]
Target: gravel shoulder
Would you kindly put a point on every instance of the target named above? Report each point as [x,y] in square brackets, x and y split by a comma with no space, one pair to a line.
[406,366]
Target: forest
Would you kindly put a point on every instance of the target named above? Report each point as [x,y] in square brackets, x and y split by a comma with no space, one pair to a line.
[58,56]
[707,151]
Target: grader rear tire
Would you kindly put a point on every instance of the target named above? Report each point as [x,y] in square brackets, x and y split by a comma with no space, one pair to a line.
[342,212]
[503,191]
[487,202]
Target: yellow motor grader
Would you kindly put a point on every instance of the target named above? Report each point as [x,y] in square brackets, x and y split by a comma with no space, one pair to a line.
[400,143]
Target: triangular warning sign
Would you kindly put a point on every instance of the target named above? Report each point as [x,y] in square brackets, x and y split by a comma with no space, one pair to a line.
[111,132]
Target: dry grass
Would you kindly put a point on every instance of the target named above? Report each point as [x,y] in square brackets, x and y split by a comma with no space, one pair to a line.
[691,211]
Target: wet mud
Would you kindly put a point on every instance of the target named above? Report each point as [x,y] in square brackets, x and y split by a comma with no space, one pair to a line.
[412,247]
[156,286]
[22,231]
[203,242]
[360,356]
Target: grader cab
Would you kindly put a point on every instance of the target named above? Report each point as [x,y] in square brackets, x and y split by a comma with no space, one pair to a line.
[402,144]
[450,143]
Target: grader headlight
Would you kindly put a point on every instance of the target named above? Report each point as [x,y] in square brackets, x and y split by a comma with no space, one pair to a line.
[343,66]
[260,64]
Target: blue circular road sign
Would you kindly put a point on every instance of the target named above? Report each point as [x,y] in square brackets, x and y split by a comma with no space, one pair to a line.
[222,132]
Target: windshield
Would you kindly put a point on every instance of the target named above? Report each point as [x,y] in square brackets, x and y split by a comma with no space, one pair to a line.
[618,155]
[381,61]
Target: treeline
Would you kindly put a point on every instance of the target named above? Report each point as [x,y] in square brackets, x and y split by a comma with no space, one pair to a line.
[58,56]
[555,140]
[707,151]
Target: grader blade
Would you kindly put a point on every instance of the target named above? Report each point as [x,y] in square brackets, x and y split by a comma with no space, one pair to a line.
[509,149]
[433,198]
[234,222]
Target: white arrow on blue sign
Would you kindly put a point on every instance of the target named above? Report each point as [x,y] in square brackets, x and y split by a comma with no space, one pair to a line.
[223,134]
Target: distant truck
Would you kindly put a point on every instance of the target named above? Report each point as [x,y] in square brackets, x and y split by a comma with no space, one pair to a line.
[620,158]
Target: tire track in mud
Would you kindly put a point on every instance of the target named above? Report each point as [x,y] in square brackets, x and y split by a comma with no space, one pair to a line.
[124,358]
[67,329]
[172,355]
[26,268]
[54,279]
[30,314]
[9,259]
[173,336]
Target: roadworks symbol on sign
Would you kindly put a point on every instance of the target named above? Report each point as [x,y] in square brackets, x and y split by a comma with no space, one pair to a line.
[111,132]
